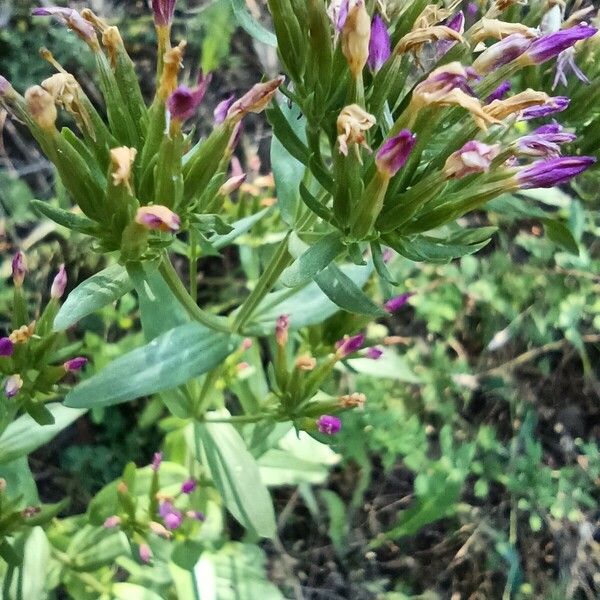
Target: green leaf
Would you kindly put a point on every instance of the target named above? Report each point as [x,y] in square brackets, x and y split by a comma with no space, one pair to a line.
[238,228]
[314,205]
[65,218]
[131,591]
[251,25]
[314,260]
[100,289]
[338,523]
[167,361]
[339,288]
[20,485]
[237,477]
[24,435]
[92,547]
[561,235]
[36,556]
[390,365]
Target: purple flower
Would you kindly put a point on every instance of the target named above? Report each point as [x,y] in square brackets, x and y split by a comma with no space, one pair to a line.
[551,45]
[158,218]
[282,326]
[184,101]
[163,12]
[554,105]
[394,152]
[544,141]
[172,519]
[397,302]
[379,44]
[472,9]
[328,425]
[374,353]
[156,460]
[221,109]
[188,486]
[19,268]
[457,23]
[59,283]
[341,14]
[474,157]
[551,172]
[70,17]
[6,347]
[499,92]
[75,364]
[349,345]
[501,53]
[12,386]
[566,62]
[5,86]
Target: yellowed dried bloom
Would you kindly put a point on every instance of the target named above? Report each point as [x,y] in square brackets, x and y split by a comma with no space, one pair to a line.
[493,28]
[414,40]
[499,6]
[22,334]
[41,107]
[172,62]
[254,100]
[576,17]
[90,16]
[159,530]
[112,41]
[122,161]
[352,122]
[431,15]
[355,400]
[500,109]
[306,363]
[355,38]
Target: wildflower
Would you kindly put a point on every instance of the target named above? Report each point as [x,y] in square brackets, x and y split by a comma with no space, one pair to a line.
[566,62]
[232,184]
[548,46]
[379,44]
[352,122]
[394,153]
[329,425]
[145,553]
[59,283]
[221,109]
[499,92]
[172,63]
[122,160]
[158,217]
[255,100]
[306,363]
[41,107]
[492,28]
[156,460]
[349,345]
[356,34]
[188,486]
[354,400]
[72,19]
[397,302]
[544,141]
[75,364]
[374,353]
[457,23]
[112,522]
[184,102]
[22,334]
[282,326]
[6,346]
[159,530]
[163,11]
[549,107]
[554,171]
[473,157]
[501,53]
[19,268]
[13,385]
[500,109]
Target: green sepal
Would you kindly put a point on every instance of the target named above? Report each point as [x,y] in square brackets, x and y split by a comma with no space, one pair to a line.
[284,132]
[168,177]
[291,42]
[314,205]
[154,136]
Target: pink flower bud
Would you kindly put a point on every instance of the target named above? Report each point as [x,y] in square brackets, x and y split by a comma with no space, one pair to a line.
[6,346]
[145,553]
[156,460]
[163,12]
[221,109]
[158,217]
[112,522]
[232,184]
[188,486]
[349,345]
[281,329]
[19,268]
[329,425]
[394,152]
[59,284]
[75,364]
[13,385]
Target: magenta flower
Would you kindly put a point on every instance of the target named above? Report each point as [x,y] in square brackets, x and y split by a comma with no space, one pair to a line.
[222,108]
[59,284]
[6,347]
[501,53]
[554,105]
[349,345]
[499,92]
[70,17]
[163,12]
[551,45]
[474,157]
[551,172]
[172,519]
[75,364]
[156,460]
[394,152]
[379,44]
[188,486]
[112,522]
[566,62]
[184,101]
[19,268]
[374,353]
[457,23]
[544,141]
[329,425]
[397,302]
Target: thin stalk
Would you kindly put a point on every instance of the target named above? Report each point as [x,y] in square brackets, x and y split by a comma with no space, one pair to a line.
[193,266]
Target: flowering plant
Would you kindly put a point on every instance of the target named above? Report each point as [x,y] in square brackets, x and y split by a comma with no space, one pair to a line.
[388,128]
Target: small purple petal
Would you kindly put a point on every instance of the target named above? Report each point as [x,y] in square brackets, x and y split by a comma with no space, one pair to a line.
[156,460]
[6,347]
[499,92]
[548,173]
[163,12]
[374,353]
[554,105]
[59,284]
[328,424]
[395,304]
[379,44]
[188,486]
[221,109]
[457,23]
[75,364]
[566,62]
[184,101]
[71,18]
[551,45]
[19,268]
[394,152]
[145,553]
[349,345]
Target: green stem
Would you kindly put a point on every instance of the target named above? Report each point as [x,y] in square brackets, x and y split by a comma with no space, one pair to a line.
[193,267]
[85,578]
[171,277]
[240,419]
[209,383]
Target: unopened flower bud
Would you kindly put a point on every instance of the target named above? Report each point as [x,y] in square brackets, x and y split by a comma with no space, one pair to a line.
[554,171]
[550,106]
[356,34]
[163,11]
[160,530]
[328,424]
[158,217]
[255,100]
[222,108]
[112,522]
[232,184]
[2,484]
[196,515]
[501,53]
[352,123]
[19,268]
[397,302]
[145,553]
[59,284]
[41,107]
[306,363]
[394,153]
[6,346]
[75,364]
[122,162]
[355,400]
[379,44]
[374,353]
[13,385]
[184,101]
[247,343]
[282,326]
[156,461]
[473,157]
[173,519]
[349,345]
[551,45]
[188,486]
